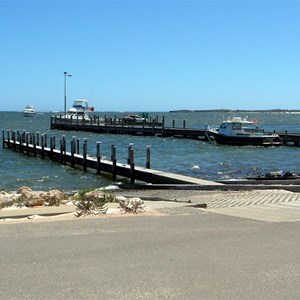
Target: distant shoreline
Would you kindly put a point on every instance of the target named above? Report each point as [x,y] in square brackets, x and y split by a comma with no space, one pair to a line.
[235,110]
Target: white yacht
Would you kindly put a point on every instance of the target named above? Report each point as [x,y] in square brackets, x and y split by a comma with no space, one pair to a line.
[79,110]
[29,111]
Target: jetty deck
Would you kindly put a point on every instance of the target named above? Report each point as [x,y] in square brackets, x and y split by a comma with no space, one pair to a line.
[118,126]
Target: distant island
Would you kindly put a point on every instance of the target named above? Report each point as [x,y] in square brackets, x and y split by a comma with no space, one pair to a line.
[235,110]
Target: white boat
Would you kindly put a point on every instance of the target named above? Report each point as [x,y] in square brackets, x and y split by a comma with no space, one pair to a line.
[134,119]
[80,110]
[29,111]
[240,132]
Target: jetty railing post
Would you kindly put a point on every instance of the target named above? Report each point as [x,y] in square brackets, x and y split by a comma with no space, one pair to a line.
[51,148]
[84,154]
[18,135]
[132,166]
[20,143]
[286,139]
[98,146]
[34,144]
[173,123]
[64,148]
[77,147]
[148,157]
[74,141]
[114,162]
[8,138]
[183,123]
[129,150]
[61,150]
[42,145]
[37,138]
[72,153]
[3,139]
[163,126]
[14,139]
[45,136]
[27,142]
[23,136]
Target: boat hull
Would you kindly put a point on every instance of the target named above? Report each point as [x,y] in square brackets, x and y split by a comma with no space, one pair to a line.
[28,114]
[259,140]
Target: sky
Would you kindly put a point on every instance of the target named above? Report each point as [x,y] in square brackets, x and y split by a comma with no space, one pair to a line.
[150,55]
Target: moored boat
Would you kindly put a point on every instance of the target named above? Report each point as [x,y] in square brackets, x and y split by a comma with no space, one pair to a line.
[29,111]
[241,132]
[80,110]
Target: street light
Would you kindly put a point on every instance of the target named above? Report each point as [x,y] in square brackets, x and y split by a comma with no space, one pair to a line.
[66,75]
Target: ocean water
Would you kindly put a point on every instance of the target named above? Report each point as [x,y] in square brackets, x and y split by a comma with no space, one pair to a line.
[206,160]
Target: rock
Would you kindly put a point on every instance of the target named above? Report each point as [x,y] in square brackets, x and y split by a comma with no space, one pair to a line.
[94,195]
[53,197]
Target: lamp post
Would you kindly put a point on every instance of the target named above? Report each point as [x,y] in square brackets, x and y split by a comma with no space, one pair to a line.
[66,75]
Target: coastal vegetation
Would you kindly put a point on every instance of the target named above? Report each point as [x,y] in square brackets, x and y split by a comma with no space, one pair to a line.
[86,201]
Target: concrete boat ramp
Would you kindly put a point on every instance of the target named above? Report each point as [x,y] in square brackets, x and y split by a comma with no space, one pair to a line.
[261,205]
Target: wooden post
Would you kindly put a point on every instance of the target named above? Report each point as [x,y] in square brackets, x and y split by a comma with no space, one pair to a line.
[3,139]
[98,145]
[23,136]
[286,140]
[74,141]
[130,146]
[51,148]
[34,144]
[27,142]
[72,153]
[45,136]
[14,139]
[61,151]
[21,143]
[132,166]
[148,157]
[84,154]
[64,149]
[42,145]
[8,138]
[77,147]
[18,135]
[173,123]
[114,162]
[37,138]
[183,123]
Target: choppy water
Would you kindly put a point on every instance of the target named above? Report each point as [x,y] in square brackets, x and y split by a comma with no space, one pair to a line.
[205,160]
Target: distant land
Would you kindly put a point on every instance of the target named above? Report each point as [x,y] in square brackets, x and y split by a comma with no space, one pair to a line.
[235,110]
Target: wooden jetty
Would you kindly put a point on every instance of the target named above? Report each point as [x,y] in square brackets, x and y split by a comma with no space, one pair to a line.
[153,128]
[37,145]
[119,126]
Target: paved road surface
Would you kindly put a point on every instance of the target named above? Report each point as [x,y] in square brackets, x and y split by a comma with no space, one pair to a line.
[184,253]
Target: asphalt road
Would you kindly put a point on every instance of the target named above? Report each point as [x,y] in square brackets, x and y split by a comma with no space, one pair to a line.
[186,254]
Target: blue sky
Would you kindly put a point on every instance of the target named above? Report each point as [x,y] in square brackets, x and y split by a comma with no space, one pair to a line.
[150,55]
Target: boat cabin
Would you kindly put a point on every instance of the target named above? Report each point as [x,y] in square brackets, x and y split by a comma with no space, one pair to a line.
[237,126]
